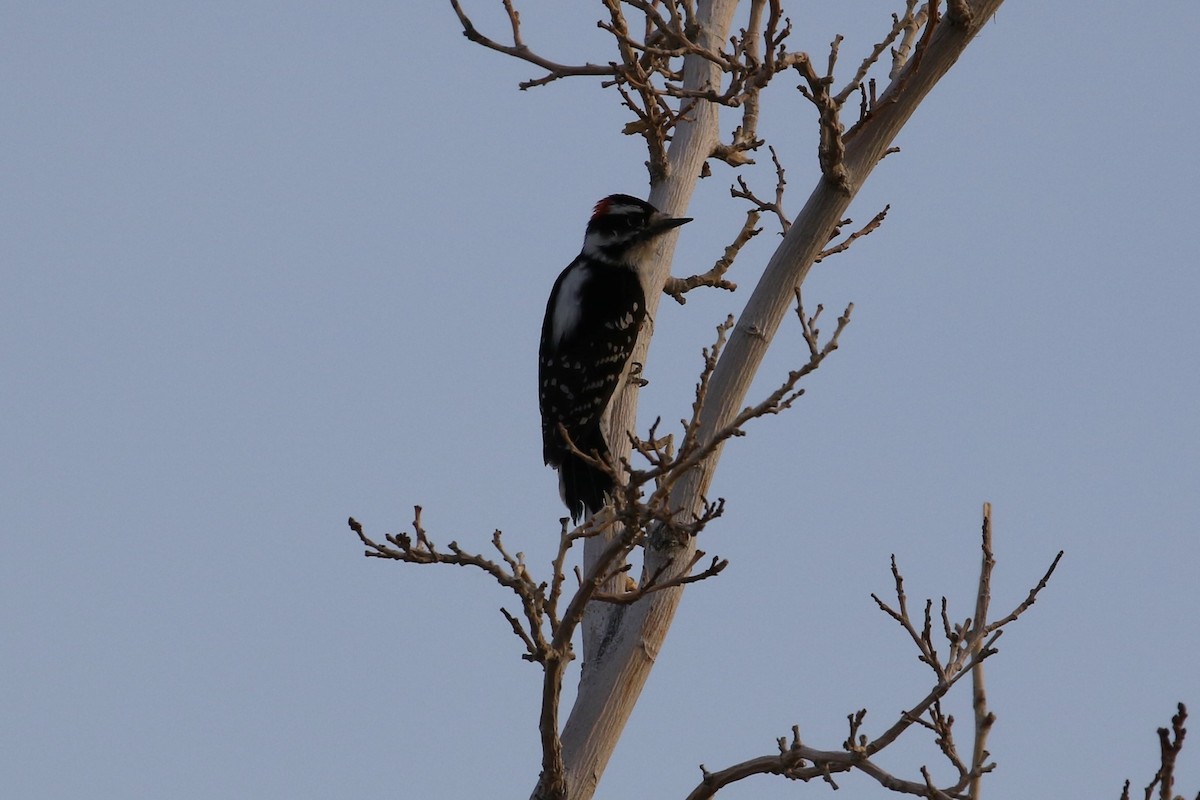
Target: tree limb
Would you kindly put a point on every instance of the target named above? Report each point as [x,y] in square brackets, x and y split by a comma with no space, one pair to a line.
[966,648]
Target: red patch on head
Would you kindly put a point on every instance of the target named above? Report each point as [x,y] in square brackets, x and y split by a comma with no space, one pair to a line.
[601,208]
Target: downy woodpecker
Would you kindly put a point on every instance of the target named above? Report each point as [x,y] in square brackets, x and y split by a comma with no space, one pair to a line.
[596,309]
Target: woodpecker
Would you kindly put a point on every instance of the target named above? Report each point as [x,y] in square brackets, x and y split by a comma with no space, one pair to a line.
[595,312]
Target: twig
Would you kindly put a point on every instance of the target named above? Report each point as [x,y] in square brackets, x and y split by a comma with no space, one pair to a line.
[865,230]
[676,288]
[772,206]
[1170,744]
[518,49]
[984,719]
[657,583]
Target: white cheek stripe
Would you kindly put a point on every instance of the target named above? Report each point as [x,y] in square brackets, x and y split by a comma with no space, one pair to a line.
[594,244]
[567,308]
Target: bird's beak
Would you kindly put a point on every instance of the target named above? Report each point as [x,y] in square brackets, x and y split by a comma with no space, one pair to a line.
[662,223]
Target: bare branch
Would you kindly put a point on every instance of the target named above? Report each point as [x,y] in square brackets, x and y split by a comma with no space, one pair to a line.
[984,719]
[912,24]
[773,206]
[519,50]
[968,645]
[1170,744]
[831,151]
[715,277]
[656,583]
[899,24]
[519,630]
[1030,598]
[865,230]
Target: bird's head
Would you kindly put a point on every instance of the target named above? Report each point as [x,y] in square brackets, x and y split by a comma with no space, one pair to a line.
[620,223]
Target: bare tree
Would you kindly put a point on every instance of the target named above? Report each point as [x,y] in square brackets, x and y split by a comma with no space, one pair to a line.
[677,65]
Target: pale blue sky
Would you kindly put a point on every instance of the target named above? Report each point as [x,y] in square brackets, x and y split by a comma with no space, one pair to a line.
[267,266]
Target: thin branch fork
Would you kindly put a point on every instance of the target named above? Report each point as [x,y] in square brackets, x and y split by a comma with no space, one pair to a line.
[656,582]
[402,547]
[519,50]
[865,230]
[676,288]
[767,206]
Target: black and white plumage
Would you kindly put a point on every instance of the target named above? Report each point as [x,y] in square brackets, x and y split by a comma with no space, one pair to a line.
[595,312]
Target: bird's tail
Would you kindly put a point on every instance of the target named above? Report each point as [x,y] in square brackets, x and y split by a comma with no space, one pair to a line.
[581,484]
